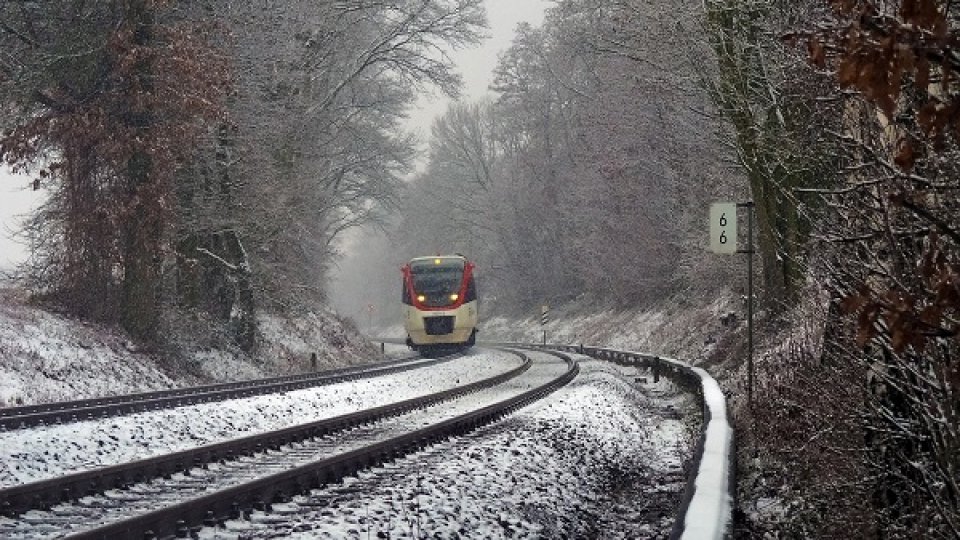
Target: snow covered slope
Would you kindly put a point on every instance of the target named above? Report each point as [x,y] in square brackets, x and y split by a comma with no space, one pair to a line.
[46,357]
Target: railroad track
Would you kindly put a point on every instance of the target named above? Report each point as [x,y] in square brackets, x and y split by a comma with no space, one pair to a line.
[208,485]
[89,409]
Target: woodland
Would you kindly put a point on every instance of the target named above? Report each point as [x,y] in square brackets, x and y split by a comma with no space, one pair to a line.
[204,158]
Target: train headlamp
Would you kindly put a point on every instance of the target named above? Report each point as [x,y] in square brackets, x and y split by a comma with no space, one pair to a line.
[421,298]
[454,297]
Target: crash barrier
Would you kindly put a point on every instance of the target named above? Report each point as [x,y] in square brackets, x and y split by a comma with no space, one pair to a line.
[708,498]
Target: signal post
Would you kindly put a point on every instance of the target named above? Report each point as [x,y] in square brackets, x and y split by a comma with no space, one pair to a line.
[723,240]
[544,319]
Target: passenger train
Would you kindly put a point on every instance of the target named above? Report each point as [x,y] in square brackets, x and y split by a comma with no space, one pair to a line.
[439,302]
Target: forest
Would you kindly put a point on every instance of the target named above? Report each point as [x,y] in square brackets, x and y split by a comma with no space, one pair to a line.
[203,159]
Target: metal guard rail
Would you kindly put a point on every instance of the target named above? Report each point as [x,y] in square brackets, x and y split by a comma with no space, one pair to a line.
[706,510]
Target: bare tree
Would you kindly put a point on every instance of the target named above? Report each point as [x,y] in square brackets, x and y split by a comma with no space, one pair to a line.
[319,123]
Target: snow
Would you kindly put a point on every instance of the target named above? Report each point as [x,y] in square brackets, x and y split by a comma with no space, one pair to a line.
[45,357]
[223,366]
[675,328]
[685,331]
[710,509]
[601,456]
[35,454]
[709,512]
[48,357]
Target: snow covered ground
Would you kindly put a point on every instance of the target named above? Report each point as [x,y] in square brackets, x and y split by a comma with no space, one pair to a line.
[602,455]
[49,357]
[39,453]
[600,458]
[675,329]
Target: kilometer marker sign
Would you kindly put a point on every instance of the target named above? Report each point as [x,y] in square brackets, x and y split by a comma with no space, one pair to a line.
[723,228]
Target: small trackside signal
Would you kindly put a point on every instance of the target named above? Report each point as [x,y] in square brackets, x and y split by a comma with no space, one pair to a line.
[544,319]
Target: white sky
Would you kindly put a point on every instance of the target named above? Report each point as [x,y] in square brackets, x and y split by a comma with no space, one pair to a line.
[476,66]
[17,199]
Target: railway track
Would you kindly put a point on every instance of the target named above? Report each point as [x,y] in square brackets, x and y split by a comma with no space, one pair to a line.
[89,409]
[174,494]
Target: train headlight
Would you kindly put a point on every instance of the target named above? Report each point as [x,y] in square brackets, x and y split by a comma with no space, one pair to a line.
[454,297]
[421,298]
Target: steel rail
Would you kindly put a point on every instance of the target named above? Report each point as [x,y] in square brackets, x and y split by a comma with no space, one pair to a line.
[88,409]
[179,520]
[41,495]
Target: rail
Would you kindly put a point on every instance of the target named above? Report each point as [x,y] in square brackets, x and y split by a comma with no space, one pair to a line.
[28,416]
[44,494]
[209,510]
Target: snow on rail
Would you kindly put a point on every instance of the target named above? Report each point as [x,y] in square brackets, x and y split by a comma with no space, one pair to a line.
[707,508]
[709,511]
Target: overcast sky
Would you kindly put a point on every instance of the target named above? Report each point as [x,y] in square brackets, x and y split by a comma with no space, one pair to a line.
[476,66]
[16,199]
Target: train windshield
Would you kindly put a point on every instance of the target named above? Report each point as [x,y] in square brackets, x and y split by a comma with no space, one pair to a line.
[437,277]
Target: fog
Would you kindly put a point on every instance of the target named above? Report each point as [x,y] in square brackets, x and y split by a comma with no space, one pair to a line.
[17,200]
[365,285]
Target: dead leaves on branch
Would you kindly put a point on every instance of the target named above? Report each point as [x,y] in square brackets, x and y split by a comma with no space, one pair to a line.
[908,320]
[909,315]
[906,62]
[882,55]
[111,136]
[152,99]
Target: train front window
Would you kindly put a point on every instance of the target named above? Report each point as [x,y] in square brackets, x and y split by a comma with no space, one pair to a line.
[437,283]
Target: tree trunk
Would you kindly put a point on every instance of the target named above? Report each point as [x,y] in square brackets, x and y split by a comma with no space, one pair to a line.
[139,305]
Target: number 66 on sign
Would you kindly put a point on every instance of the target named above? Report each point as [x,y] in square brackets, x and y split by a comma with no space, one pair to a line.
[723,228]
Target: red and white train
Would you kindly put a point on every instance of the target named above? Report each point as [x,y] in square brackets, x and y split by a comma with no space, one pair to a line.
[439,302]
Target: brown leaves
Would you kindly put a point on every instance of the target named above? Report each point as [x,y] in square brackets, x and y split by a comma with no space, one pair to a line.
[817,52]
[874,69]
[905,157]
[924,14]
[910,319]
[112,139]
[867,312]
[879,54]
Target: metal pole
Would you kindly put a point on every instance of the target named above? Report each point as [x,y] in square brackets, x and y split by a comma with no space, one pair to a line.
[750,305]
[749,251]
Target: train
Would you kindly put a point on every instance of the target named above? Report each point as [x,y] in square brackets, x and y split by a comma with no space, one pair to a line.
[439,303]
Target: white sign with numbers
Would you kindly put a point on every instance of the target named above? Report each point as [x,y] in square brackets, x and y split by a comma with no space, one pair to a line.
[723,228]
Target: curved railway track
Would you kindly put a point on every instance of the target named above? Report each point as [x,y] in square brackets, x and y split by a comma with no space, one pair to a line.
[73,411]
[207,485]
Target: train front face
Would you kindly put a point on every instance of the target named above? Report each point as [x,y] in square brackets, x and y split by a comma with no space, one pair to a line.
[440,302]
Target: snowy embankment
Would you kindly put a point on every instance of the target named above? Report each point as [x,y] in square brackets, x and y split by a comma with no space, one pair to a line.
[48,357]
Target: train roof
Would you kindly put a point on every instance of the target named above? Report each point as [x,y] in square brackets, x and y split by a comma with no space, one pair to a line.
[432,257]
